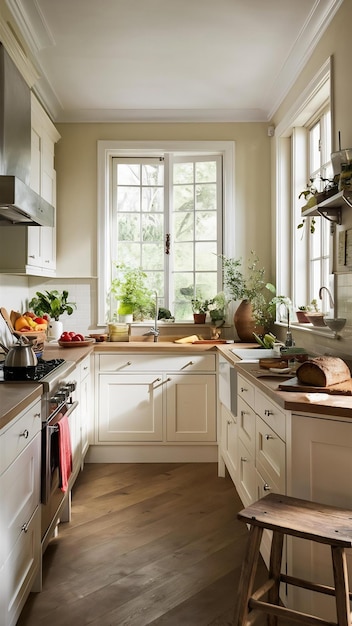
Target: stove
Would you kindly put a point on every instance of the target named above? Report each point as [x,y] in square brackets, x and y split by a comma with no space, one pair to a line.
[47,372]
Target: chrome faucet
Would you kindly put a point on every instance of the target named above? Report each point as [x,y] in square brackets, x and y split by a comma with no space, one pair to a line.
[154,329]
[331,301]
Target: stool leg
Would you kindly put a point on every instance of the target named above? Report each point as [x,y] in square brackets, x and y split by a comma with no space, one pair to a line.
[249,568]
[275,572]
[341,586]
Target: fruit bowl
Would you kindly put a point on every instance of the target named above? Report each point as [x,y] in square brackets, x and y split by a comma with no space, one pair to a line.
[76,344]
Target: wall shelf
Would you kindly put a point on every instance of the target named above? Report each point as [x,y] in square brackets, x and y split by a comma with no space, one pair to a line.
[331,208]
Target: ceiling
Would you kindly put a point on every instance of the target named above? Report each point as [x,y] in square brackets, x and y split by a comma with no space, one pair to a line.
[168,60]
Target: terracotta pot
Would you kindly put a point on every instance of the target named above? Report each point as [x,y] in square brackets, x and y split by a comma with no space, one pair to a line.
[245,324]
[199,318]
[302,317]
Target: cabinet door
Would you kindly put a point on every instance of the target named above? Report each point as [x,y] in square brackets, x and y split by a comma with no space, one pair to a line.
[247,480]
[191,407]
[130,407]
[229,441]
[321,471]
[85,405]
[19,495]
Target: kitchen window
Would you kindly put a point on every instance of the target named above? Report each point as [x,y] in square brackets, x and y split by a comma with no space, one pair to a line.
[303,148]
[163,211]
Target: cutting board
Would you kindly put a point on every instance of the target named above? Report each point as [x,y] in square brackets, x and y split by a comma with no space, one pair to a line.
[210,341]
[342,389]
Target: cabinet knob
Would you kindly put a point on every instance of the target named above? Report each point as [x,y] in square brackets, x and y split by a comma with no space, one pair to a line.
[268,412]
[266,487]
[244,459]
[267,437]
[243,389]
[25,434]
[24,527]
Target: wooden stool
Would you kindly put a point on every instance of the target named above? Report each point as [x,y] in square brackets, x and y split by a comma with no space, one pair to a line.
[299,518]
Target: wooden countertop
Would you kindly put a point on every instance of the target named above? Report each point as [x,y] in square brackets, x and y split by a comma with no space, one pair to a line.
[15,397]
[337,406]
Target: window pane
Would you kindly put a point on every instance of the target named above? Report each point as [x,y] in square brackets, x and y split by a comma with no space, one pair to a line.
[206,197]
[183,198]
[152,227]
[206,225]
[183,257]
[183,227]
[183,173]
[128,199]
[152,199]
[205,255]
[206,172]
[128,174]
[128,228]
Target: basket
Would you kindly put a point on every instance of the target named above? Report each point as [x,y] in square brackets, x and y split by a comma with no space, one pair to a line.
[37,338]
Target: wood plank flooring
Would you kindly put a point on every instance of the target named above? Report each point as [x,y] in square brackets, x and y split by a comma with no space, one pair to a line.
[147,544]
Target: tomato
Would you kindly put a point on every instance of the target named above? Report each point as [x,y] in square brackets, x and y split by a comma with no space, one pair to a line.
[65,337]
[78,337]
[46,317]
[40,320]
[71,333]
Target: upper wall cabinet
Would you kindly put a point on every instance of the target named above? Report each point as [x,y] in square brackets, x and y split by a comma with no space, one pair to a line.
[31,250]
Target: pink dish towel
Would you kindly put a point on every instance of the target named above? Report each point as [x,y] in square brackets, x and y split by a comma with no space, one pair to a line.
[65,452]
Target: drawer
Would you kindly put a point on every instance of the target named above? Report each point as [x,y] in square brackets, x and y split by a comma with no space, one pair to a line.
[246,425]
[19,434]
[126,363]
[270,453]
[271,413]
[245,390]
[85,367]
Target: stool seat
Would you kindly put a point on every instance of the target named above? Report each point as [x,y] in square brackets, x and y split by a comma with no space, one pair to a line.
[317,522]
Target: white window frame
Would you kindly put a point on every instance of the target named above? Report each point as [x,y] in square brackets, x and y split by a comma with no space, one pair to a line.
[109,149]
[291,179]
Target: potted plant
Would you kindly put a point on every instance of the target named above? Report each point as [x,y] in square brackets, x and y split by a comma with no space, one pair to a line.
[254,314]
[218,308]
[129,289]
[54,304]
[199,308]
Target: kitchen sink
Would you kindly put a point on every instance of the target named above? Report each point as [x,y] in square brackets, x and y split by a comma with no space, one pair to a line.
[249,354]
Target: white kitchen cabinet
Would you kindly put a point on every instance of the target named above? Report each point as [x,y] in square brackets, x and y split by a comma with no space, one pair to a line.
[157,400]
[31,250]
[20,524]
[229,441]
[321,470]
[130,407]
[85,398]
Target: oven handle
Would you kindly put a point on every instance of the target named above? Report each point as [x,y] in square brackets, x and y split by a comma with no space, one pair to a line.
[63,412]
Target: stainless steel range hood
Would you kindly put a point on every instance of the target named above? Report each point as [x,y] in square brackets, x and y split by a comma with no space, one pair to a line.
[19,204]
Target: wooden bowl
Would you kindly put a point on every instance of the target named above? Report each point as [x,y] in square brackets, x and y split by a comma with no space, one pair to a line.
[99,337]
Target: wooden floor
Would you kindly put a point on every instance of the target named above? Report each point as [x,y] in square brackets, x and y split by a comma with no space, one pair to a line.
[148,544]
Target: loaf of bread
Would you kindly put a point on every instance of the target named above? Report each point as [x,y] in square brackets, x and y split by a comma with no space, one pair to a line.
[323,371]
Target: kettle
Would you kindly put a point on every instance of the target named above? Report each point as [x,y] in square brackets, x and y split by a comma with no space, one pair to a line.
[21,355]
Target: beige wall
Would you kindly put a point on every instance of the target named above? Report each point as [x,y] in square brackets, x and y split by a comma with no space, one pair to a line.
[76,165]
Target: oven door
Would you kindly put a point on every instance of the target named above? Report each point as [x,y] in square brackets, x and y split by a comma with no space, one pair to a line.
[50,474]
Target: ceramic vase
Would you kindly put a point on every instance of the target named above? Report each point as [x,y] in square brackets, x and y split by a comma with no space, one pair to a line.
[55,329]
[244,322]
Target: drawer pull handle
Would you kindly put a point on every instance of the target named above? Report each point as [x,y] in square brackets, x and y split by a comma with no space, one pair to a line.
[244,413]
[268,412]
[266,487]
[243,389]
[229,422]
[25,434]
[267,437]
[129,363]
[157,380]
[24,527]
[187,364]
